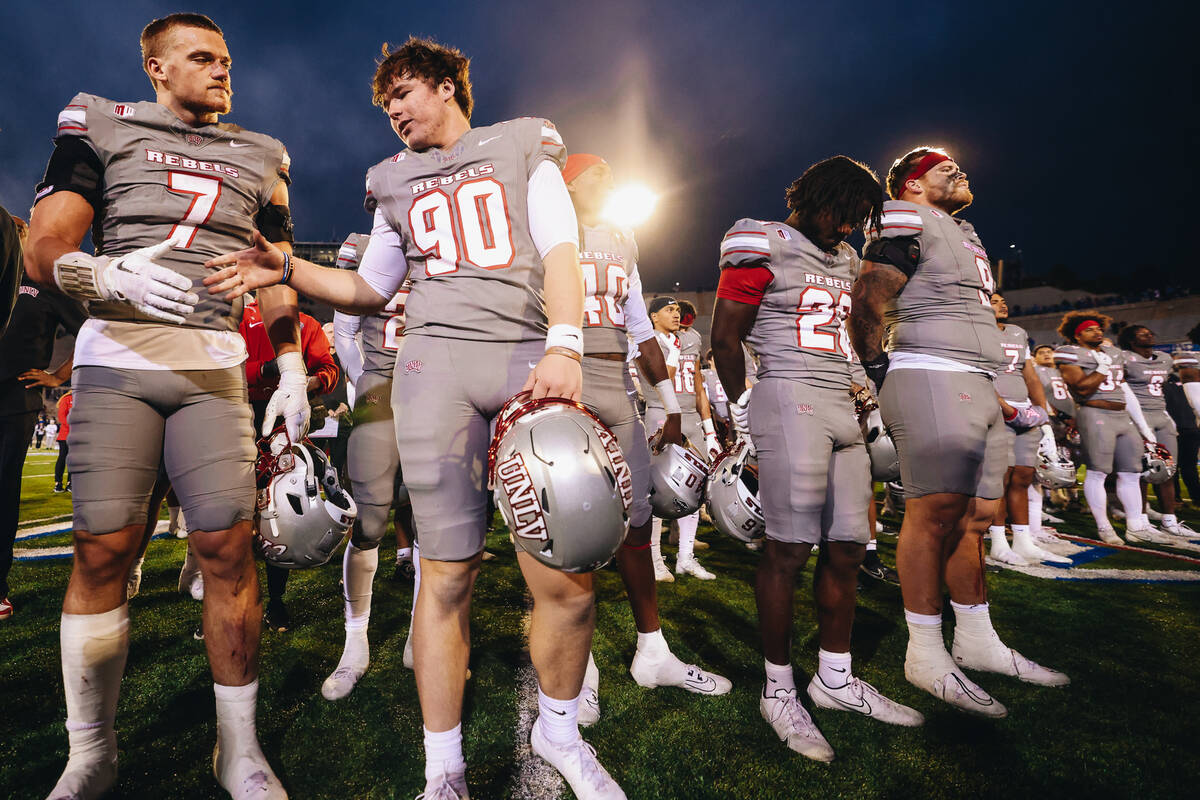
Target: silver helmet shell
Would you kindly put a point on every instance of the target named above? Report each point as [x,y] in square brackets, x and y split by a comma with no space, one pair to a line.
[733,495]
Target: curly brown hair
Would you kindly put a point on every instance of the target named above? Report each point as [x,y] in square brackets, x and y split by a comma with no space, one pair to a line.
[1071,320]
[429,61]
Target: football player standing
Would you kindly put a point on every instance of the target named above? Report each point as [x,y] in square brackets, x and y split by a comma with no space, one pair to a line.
[614,315]
[786,288]
[927,278]
[480,220]
[158,376]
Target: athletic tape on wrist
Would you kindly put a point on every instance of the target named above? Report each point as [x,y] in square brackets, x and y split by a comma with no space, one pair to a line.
[290,362]
[75,274]
[568,336]
[666,391]
[707,425]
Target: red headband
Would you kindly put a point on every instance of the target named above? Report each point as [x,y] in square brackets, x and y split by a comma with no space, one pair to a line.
[577,163]
[1083,326]
[927,162]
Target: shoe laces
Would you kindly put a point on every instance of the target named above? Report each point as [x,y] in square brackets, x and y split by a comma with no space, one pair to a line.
[797,717]
[589,765]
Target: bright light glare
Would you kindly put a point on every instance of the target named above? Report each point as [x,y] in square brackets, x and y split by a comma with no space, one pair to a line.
[630,205]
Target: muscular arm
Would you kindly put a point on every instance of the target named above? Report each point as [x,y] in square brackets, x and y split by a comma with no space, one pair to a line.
[731,324]
[563,288]
[280,305]
[1034,384]
[877,284]
[652,363]
[1082,385]
[57,226]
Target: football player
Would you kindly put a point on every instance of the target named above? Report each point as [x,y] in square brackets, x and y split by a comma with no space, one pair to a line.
[164,186]
[1109,419]
[926,276]
[367,347]
[786,288]
[615,320]
[1019,387]
[681,356]
[480,220]
[1146,370]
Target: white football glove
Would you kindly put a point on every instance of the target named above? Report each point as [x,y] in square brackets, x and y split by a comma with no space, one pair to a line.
[290,400]
[133,278]
[1048,447]
[713,445]
[1103,363]
[739,413]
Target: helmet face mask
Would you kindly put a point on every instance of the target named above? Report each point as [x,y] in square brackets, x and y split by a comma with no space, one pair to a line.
[733,495]
[1055,473]
[677,476]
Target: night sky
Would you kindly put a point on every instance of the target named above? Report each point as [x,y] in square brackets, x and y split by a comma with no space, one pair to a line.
[1076,125]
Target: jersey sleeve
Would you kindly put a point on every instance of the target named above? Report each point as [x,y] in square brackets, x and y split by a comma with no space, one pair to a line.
[551,213]
[1186,359]
[745,244]
[637,318]
[899,219]
[76,163]
[1066,354]
[544,144]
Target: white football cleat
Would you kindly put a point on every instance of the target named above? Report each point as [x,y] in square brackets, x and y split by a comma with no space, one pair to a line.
[1045,535]
[878,527]
[589,698]
[191,580]
[92,770]
[793,725]
[1029,551]
[1147,535]
[662,573]
[578,765]
[670,671]
[1109,536]
[1179,529]
[937,674]
[1152,515]
[351,667]
[1008,556]
[1053,520]
[863,698]
[992,655]
[445,787]
[692,567]
[246,775]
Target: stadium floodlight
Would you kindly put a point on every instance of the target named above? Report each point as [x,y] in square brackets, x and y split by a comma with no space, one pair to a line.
[630,205]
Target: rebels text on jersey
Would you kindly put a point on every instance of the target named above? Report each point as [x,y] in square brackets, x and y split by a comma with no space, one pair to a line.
[945,308]
[1146,377]
[1085,359]
[803,295]
[155,178]
[1010,376]
[461,216]
[607,257]
[382,333]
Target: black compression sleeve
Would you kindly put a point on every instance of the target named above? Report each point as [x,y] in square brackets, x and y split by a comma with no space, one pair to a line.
[901,252]
[274,222]
[74,167]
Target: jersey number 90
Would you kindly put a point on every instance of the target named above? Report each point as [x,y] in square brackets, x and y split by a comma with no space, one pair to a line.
[468,226]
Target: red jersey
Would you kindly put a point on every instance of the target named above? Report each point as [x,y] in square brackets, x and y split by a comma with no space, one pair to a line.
[64,412]
[318,361]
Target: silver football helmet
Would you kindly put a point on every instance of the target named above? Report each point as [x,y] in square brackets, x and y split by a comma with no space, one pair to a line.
[304,514]
[733,495]
[885,461]
[677,476]
[1055,472]
[1157,464]
[560,481]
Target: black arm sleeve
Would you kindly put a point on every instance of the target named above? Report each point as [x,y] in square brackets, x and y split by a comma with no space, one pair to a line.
[901,252]
[274,222]
[74,167]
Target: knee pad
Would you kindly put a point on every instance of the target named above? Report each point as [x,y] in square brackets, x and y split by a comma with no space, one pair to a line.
[369,526]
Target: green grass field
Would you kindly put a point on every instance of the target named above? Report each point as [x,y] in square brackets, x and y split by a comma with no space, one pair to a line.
[1124,728]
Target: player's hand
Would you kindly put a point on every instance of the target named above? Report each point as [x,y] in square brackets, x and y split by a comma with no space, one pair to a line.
[671,433]
[713,446]
[39,377]
[246,270]
[290,400]
[739,413]
[135,279]
[556,375]
[1048,447]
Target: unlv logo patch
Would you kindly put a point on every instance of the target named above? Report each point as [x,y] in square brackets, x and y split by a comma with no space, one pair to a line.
[413,366]
[528,517]
[963,397]
[805,408]
[194,139]
[123,110]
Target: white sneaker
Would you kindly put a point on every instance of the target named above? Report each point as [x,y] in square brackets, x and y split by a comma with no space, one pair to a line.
[246,775]
[663,573]
[1045,536]
[191,580]
[938,675]
[863,698]
[91,772]
[445,787]
[992,655]
[692,567]
[1152,515]
[1053,520]
[1180,529]
[352,666]
[878,527]
[793,725]
[1029,551]
[1008,556]
[578,765]
[1147,535]
[589,698]
[649,673]
[179,533]
[1109,536]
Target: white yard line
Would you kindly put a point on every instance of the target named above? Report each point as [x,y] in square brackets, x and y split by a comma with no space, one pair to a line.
[536,779]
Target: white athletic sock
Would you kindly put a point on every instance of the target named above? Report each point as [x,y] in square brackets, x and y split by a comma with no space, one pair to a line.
[1035,509]
[999,540]
[1129,492]
[972,620]
[235,716]
[656,542]
[94,648]
[444,753]
[1169,520]
[403,554]
[358,573]
[653,645]
[687,537]
[833,668]
[1093,490]
[780,678]
[1021,532]
[872,545]
[559,719]
[925,633]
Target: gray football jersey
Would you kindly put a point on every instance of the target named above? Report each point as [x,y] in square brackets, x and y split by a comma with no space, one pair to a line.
[607,256]
[199,187]
[717,398]
[1085,358]
[382,333]
[800,331]
[1056,390]
[945,308]
[685,374]
[1010,380]
[462,215]
[1146,377]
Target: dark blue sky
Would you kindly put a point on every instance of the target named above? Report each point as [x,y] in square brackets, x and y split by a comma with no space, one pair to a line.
[1077,125]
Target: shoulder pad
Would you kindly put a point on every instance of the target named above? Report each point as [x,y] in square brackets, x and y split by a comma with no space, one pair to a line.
[72,120]
[744,244]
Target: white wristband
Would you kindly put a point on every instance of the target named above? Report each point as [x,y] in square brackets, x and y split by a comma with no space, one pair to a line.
[666,390]
[707,425]
[290,362]
[567,336]
[75,274]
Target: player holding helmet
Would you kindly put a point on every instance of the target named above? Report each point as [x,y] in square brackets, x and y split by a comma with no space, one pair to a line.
[479,219]
[786,288]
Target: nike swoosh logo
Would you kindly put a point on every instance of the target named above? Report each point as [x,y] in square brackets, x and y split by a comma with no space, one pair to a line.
[489,139]
[239,144]
[560,713]
[532,364]
[706,685]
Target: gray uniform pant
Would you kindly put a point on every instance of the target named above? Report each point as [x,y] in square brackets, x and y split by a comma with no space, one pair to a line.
[608,392]
[1109,440]
[1164,431]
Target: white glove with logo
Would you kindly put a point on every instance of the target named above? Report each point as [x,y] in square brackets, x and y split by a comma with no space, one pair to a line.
[1103,363]
[290,400]
[740,415]
[133,278]
[1048,447]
